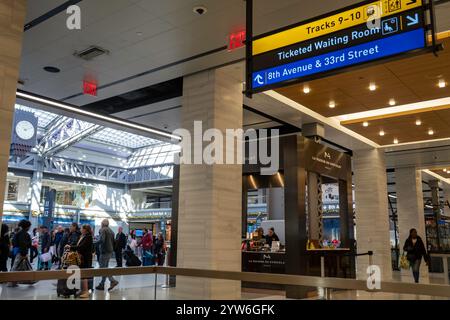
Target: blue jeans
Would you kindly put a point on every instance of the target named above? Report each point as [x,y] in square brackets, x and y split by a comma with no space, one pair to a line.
[103,262]
[415,266]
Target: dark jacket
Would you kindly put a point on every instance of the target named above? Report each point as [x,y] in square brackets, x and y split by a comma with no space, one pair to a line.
[57,239]
[70,239]
[106,240]
[85,247]
[269,239]
[22,241]
[45,242]
[74,237]
[4,246]
[415,251]
[159,246]
[120,242]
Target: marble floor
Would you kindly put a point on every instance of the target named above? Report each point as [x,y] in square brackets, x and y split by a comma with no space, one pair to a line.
[142,287]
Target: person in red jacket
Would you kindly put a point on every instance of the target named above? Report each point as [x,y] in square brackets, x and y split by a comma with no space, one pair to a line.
[147,246]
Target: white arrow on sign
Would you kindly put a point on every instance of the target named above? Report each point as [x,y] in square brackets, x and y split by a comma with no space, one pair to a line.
[259,79]
[412,20]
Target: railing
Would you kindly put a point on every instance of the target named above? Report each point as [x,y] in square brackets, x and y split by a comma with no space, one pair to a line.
[282,279]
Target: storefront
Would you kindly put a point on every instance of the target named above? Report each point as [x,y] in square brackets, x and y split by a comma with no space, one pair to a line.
[310,208]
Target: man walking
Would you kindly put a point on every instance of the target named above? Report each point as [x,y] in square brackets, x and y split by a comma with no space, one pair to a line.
[106,243]
[120,245]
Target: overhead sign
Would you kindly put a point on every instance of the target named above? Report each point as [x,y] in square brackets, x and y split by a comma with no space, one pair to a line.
[340,40]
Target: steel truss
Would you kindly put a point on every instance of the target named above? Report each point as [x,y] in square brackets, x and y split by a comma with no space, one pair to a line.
[86,170]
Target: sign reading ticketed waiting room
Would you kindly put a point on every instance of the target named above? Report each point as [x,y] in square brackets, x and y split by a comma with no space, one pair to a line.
[359,34]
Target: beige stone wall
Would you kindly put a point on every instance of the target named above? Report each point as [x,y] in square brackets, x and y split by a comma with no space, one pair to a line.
[210,205]
[372,218]
[12,20]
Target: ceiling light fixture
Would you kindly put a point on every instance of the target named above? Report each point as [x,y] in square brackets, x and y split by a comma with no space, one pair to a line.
[418,122]
[372,87]
[382,133]
[365,124]
[392,102]
[73,109]
[306,89]
[395,141]
[442,83]
[430,132]
[332,104]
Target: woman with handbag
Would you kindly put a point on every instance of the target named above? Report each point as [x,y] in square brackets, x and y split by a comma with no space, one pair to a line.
[84,247]
[21,247]
[415,250]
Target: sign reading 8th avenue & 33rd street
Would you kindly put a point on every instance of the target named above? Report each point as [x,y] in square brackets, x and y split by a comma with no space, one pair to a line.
[359,34]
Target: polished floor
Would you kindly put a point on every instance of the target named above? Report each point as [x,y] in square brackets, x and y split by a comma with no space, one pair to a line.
[142,287]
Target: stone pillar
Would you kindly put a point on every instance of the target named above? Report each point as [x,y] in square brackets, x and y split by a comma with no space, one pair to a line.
[210,195]
[275,203]
[410,212]
[12,20]
[35,198]
[446,189]
[372,217]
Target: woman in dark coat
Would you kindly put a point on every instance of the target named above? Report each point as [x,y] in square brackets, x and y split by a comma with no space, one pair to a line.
[85,247]
[415,250]
[4,248]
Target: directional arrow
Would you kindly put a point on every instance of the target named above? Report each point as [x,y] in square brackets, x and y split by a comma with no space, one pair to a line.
[259,79]
[412,20]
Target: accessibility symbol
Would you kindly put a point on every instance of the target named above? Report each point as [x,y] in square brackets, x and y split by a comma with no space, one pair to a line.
[390,26]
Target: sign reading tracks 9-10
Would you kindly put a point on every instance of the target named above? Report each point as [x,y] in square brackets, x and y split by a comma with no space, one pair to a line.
[359,34]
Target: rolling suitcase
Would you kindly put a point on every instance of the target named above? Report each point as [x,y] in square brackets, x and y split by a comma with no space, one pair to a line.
[63,290]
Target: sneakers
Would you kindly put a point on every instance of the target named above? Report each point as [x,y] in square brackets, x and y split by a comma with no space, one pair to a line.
[113,285]
[100,287]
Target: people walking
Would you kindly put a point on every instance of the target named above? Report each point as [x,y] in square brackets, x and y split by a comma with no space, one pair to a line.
[45,241]
[106,243]
[84,247]
[120,244]
[415,250]
[21,247]
[160,249]
[34,245]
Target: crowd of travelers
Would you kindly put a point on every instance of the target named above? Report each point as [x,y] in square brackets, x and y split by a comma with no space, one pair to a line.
[23,249]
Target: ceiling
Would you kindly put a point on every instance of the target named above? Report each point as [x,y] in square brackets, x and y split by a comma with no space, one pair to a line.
[152,43]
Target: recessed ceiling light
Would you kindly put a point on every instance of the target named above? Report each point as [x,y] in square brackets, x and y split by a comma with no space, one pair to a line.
[382,133]
[430,132]
[52,69]
[365,124]
[418,122]
[395,141]
[306,89]
[442,83]
[392,102]
[139,33]
[332,104]
[445,170]
[372,87]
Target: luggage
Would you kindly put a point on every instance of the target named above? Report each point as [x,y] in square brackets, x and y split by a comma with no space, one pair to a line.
[63,290]
[131,260]
[70,258]
[149,258]
[22,264]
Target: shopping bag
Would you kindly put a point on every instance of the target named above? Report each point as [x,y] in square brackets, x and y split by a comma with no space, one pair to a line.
[24,265]
[46,257]
[404,262]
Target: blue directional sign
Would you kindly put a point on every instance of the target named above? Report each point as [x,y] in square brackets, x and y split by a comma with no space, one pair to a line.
[370,51]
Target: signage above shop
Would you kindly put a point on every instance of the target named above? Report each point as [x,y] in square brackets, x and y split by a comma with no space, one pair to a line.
[355,35]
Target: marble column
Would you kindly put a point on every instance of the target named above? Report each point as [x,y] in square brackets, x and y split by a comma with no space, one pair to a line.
[210,195]
[12,20]
[410,211]
[371,207]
